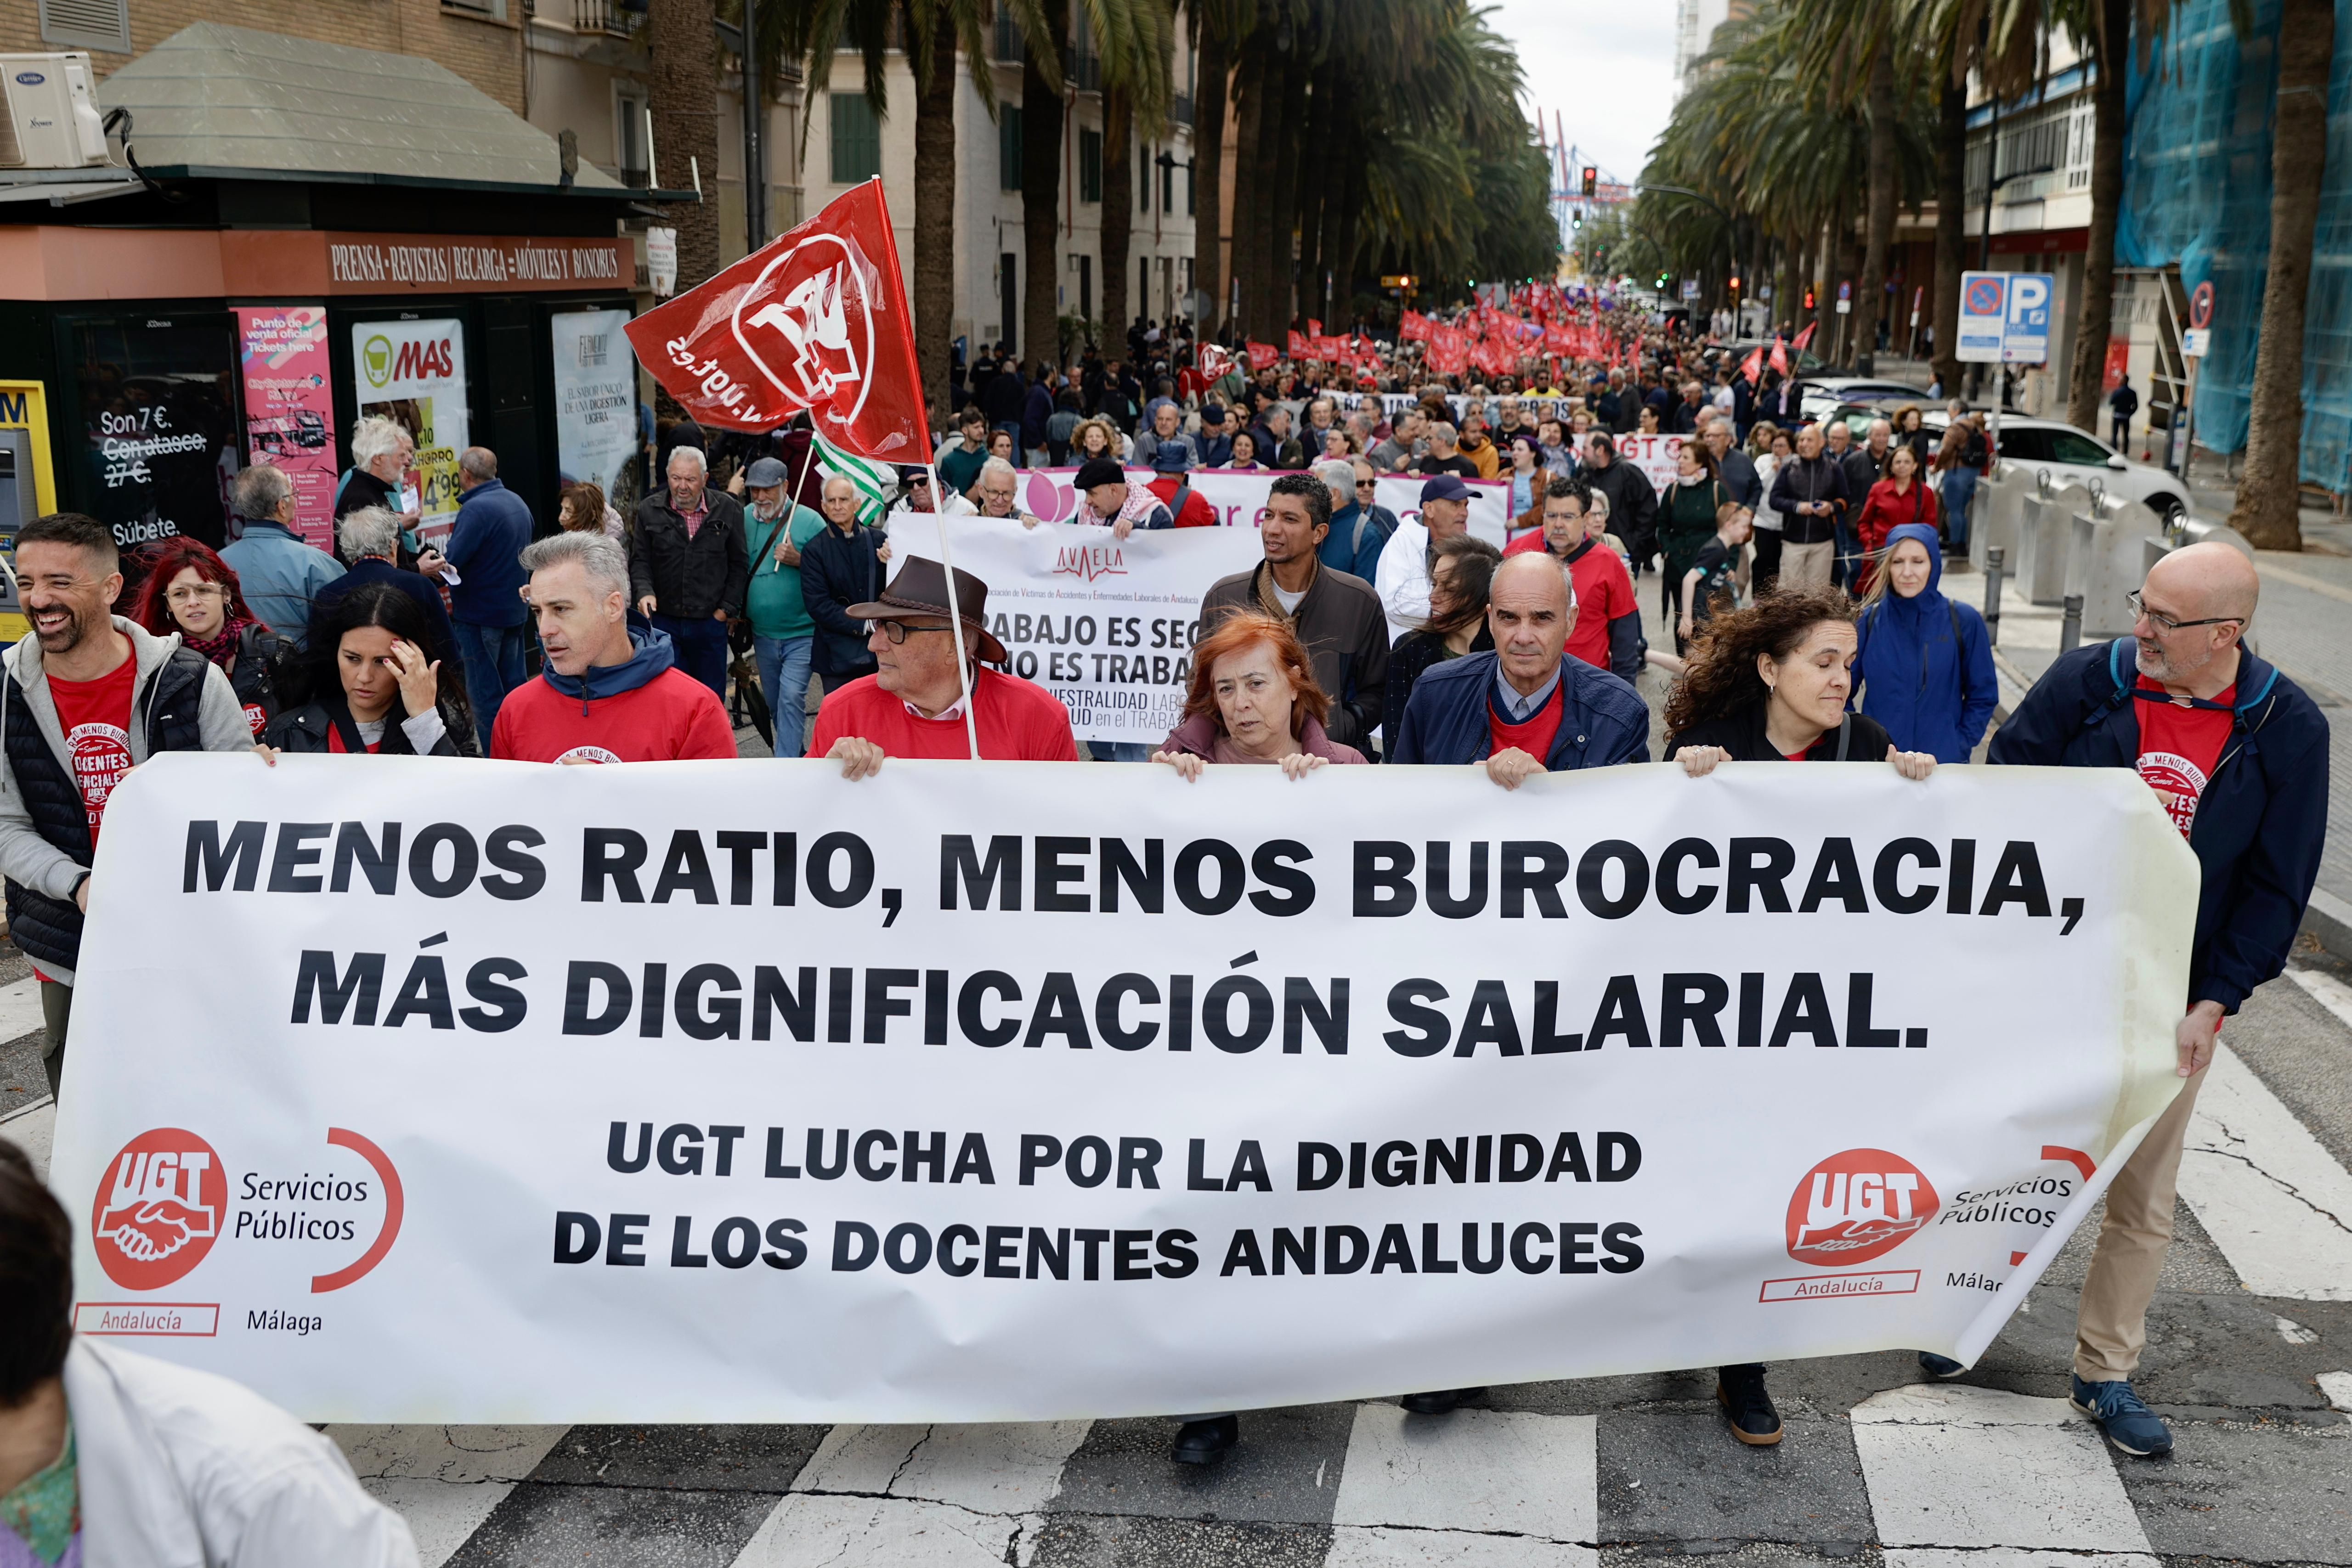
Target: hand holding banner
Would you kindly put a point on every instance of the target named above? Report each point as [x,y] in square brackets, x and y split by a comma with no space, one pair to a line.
[815,319]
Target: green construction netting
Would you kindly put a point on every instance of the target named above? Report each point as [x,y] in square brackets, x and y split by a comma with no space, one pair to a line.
[2197,191]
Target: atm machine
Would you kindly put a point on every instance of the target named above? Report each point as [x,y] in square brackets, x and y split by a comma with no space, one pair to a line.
[19,504]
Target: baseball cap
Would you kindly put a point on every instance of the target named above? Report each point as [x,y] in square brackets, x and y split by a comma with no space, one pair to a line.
[764,473]
[1444,488]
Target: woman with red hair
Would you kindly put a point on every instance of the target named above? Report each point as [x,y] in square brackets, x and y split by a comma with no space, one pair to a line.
[190,590]
[1253,699]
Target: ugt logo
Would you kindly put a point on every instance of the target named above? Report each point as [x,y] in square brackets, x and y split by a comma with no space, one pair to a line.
[1856,1206]
[819,338]
[159,1213]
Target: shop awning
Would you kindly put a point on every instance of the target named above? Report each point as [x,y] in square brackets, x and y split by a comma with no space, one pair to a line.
[214,101]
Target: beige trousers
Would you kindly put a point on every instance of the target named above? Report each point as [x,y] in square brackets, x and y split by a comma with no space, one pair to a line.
[1806,566]
[2111,1327]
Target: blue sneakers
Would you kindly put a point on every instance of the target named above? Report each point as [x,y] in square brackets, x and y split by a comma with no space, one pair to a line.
[2123,1417]
[1939,1367]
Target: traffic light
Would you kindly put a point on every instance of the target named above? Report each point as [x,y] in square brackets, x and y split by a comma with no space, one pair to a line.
[1662,283]
[1592,180]
[1808,299]
[1576,220]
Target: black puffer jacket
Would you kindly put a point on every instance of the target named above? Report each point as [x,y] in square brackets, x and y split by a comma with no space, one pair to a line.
[689,577]
[48,929]
[304,730]
[259,653]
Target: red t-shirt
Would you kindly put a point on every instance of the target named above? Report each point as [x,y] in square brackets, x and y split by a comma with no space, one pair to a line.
[2180,748]
[1533,734]
[1019,721]
[671,718]
[1604,592]
[335,742]
[96,718]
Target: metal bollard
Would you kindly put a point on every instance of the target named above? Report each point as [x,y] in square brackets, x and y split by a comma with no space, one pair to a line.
[1993,596]
[2070,631]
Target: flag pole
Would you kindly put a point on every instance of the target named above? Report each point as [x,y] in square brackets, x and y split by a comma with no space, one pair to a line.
[955,614]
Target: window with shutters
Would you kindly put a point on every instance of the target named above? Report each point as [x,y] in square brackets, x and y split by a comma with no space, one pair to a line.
[87,25]
[857,139]
[1090,149]
[1008,148]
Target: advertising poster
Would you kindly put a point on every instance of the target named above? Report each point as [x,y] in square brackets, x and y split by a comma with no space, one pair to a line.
[290,408]
[595,397]
[157,399]
[415,372]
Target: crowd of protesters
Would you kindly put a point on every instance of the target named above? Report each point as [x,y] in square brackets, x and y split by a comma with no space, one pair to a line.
[1800,572]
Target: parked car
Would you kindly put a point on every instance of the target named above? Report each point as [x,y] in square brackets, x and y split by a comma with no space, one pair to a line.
[2069,455]
[1827,393]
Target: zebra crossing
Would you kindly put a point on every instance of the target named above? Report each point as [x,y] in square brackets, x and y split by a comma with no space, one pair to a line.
[2250,1356]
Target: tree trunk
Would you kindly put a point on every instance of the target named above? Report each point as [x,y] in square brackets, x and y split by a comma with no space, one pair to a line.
[2088,384]
[934,225]
[1118,215]
[1282,210]
[1870,291]
[2268,506]
[1849,251]
[1951,238]
[684,92]
[1250,86]
[1041,200]
[1789,295]
[1339,252]
[1209,176]
[1322,135]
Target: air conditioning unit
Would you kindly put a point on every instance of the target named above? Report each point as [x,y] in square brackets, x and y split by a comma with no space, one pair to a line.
[52,119]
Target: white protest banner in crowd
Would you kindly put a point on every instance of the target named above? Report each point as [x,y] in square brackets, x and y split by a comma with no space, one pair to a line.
[436,1090]
[1658,457]
[1239,497]
[1106,625]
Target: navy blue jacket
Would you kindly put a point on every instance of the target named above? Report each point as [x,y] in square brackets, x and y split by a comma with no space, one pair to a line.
[1739,477]
[837,571]
[1605,721]
[1925,667]
[485,546]
[2260,821]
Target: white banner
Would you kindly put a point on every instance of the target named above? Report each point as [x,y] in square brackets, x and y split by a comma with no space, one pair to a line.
[1658,457]
[1106,626]
[439,1090]
[1239,497]
[595,395]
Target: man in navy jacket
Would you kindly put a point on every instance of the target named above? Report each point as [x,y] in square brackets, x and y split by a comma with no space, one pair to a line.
[485,552]
[1524,708]
[2239,755]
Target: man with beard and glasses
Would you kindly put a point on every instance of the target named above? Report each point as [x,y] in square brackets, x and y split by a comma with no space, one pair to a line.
[85,698]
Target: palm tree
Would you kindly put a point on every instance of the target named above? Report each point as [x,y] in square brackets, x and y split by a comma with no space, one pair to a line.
[2268,506]
[1137,84]
[683,96]
[1217,26]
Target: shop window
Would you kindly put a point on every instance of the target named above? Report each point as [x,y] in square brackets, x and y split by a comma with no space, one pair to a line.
[156,402]
[857,139]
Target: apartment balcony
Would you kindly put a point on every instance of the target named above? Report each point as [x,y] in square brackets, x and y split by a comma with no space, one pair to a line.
[1179,109]
[608,18]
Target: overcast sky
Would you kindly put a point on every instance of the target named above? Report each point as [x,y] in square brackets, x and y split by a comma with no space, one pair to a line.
[1607,69]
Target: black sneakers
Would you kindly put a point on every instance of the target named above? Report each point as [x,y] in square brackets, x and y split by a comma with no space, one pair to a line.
[1198,1442]
[1439,1402]
[1740,1389]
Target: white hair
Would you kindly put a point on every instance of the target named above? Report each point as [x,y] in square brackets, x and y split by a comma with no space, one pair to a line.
[998,468]
[258,492]
[368,531]
[701,464]
[374,436]
[1337,471]
[603,559]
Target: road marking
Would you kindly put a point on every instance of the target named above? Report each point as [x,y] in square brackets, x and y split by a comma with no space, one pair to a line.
[34,1130]
[1958,1468]
[2326,990]
[918,1497]
[2273,1200]
[1421,1488]
[20,1009]
[2337,1386]
[444,1480]
[2294,1333]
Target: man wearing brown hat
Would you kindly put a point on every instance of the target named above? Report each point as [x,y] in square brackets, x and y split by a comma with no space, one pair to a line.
[914,703]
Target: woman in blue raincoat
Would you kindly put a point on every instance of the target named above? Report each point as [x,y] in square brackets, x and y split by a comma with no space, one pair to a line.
[1925,668]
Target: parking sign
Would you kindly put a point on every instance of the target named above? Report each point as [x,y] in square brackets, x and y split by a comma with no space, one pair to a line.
[2005,317]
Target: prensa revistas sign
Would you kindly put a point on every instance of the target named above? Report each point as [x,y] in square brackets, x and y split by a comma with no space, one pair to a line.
[473,1092]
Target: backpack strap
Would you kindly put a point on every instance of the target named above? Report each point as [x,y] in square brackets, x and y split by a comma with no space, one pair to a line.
[1845,737]
[2123,685]
[1176,506]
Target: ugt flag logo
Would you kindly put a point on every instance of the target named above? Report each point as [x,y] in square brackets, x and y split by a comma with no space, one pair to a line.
[1856,1206]
[817,320]
[159,1209]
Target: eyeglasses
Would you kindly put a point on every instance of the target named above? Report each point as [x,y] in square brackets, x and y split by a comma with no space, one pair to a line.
[898,631]
[198,593]
[2139,608]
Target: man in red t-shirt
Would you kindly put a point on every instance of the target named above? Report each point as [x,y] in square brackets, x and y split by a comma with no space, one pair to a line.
[1608,630]
[606,693]
[103,695]
[913,704]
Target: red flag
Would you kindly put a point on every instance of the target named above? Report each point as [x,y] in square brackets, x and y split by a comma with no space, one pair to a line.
[1216,361]
[1781,354]
[1752,367]
[815,319]
[1298,349]
[1314,328]
[1414,325]
[1263,356]
[1806,335]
